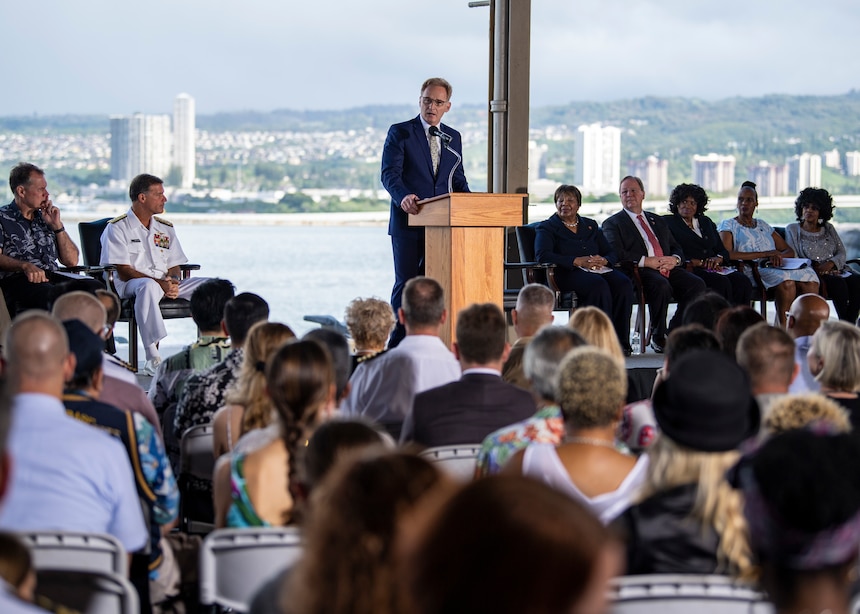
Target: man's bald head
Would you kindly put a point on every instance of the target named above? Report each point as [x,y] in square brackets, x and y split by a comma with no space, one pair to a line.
[534,309]
[81,306]
[806,314]
[37,353]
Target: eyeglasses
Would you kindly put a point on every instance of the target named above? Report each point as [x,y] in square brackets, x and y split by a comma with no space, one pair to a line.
[436,103]
[567,201]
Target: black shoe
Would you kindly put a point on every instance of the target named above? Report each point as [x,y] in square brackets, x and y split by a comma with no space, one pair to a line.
[628,351]
[657,345]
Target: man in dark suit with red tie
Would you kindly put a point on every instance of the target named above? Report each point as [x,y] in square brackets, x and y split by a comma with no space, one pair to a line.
[415,166]
[644,238]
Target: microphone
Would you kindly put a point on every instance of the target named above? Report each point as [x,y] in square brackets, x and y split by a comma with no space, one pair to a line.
[435,131]
[446,141]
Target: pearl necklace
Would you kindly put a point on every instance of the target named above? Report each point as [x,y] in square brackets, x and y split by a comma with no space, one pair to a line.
[573,225]
[591,441]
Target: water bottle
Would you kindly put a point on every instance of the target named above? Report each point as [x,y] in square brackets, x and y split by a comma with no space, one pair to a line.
[635,343]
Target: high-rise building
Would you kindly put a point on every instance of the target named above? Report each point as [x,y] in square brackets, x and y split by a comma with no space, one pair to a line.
[770,179]
[184,144]
[537,161]
[715,173]
[139,144]
[832,159]
[597,159]
[852,163]
[654,174]
[804,171]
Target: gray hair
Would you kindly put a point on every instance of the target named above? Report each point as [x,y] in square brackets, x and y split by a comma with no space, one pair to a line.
[543,355]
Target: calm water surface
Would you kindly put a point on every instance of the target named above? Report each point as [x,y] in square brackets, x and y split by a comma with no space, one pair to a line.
[299,270]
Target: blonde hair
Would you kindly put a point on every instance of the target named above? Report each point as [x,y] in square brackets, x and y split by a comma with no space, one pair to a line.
[597,330]
[592,387]
[796,411]
[717,504]
[250,388]
[370,321]
[837,344]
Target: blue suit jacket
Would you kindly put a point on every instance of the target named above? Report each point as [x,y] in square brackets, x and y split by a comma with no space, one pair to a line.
[407,169]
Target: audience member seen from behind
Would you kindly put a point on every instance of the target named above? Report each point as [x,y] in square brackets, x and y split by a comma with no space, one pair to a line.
[256,489]
[704,250]
[383,387]
[338,350]
[797,411]
[806,314]
[731,325]
[207,310]
[748,238]
[584,260]
[369,322]
[535,303]
[351,545]
[68,476]
[814,237]
[705,309]
[534,550]
[330,442]
[596,328]
[688,519]
[248,406]
[587,466]
[681,341]
[204,392]
[802,506]
[466,411]
[834,360]
[542,357]
[766,353]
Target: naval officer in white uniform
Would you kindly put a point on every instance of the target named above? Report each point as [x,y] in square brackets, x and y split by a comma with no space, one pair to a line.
[147,255]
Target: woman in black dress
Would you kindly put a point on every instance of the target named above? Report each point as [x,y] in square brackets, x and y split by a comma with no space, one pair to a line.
[702,246]
[583,255]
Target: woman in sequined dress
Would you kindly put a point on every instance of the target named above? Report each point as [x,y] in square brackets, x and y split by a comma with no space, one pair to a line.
[814,237]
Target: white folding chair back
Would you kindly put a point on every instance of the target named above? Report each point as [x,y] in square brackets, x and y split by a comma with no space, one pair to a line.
[89,592]
[76,551]
[457,461]
[195,450]
[235,563]
[682,594]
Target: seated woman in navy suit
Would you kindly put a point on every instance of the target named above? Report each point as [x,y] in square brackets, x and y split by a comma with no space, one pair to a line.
[577,246]
[697,234]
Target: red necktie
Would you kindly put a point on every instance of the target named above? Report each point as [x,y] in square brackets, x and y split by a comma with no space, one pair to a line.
[652,238]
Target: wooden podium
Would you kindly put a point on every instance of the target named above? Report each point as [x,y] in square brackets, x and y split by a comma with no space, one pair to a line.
[464,247]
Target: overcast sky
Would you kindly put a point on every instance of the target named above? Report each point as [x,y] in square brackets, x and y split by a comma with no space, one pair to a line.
[122,56]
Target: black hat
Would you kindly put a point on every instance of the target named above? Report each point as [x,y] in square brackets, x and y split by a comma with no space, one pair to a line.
[706,403]
[85,345]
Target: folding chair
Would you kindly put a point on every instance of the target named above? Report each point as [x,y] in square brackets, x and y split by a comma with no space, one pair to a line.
[682,594]
[196,465]
[457,461]
[76,551]
[235,563]
[88,592]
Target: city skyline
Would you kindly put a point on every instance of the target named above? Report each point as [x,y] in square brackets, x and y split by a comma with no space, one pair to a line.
[95,57]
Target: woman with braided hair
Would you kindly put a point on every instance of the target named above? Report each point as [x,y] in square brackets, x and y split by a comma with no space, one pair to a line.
[258,488]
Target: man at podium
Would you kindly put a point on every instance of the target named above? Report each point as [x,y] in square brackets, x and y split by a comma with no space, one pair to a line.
[416,164]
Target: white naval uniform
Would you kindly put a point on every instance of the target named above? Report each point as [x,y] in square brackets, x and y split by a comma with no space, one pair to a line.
[151,251]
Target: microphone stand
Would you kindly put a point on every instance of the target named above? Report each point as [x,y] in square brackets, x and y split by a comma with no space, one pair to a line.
[453,168]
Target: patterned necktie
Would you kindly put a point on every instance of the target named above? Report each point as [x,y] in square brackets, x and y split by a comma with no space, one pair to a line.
[434,153]
[652,239]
